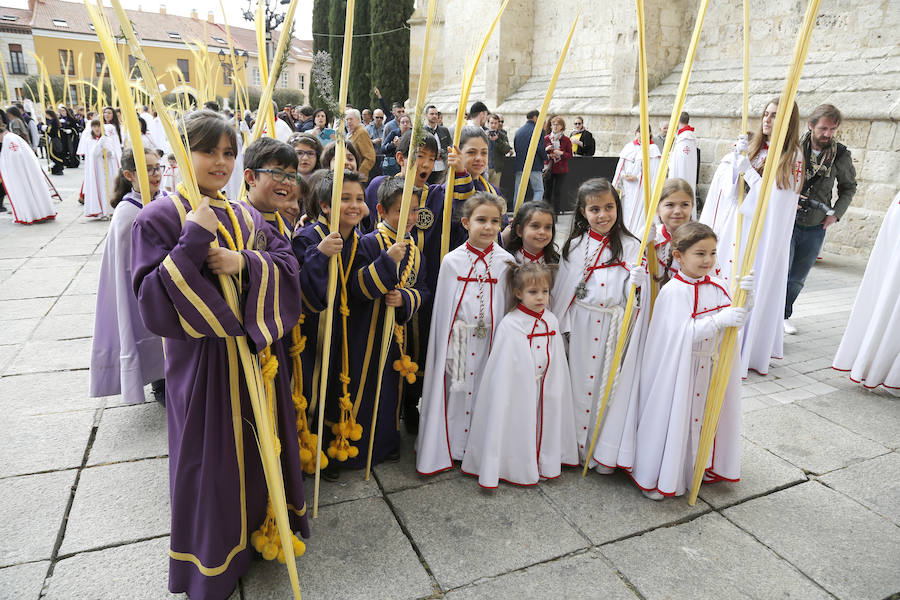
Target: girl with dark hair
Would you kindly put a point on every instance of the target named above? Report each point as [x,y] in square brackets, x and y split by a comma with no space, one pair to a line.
[676,203]
[690,313]
[101,165]
[599,264]
[125,356]
[529,238]
[111,118]
[352,161]
[218,490]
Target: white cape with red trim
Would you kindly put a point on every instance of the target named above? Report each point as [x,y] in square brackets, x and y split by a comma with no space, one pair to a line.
[588,324]
[25,181]
[631,161]
[101,166]
[870,348]
[720,208]
[683,161]
[523,427]
[446,408]
[673,394]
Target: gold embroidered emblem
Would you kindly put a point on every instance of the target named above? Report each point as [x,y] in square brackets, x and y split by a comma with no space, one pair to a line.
[260,242]
[424,218]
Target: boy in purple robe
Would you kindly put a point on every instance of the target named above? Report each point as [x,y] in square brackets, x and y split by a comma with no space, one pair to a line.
[217,485]
[395,277]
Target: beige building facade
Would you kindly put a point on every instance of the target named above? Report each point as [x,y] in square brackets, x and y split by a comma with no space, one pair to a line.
[853,62]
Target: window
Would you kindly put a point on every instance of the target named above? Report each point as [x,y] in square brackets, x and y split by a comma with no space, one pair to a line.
[131,62]
[174,35]
[16,60]
[73,94]
[219,40]
[9,18]
[256,78]
[226,76]
[185,67]
[66,62]
[98,63]
[301,81]
[284,78]
[20,94]
[60,23]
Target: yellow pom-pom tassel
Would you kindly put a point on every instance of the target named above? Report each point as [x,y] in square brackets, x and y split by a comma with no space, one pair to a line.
[352,451]
[356,432]
[332,452]
[299,547]
[270,551]
[341,455]
[305,455]
[281,555]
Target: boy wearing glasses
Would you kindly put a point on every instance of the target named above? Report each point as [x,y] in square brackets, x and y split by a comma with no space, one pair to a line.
[272,182]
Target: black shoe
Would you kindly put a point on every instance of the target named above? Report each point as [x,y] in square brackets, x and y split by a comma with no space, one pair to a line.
[2,209]
[331,472]
[411,418]
[393,456]
[159,390]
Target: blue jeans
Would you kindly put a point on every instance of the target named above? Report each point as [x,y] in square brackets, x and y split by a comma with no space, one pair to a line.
[536,179]
[806,243]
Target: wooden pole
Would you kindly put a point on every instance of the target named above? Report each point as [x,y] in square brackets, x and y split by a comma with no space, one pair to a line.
[468,78]
[745,109]
[657,189]
[537,133]
[722,370]
[340,157]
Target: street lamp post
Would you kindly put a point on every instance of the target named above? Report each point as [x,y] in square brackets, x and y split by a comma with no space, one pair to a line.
[273,19]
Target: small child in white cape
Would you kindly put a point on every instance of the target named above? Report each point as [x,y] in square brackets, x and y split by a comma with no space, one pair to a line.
[683,339]
[469,301]
[101,167]
[523,427]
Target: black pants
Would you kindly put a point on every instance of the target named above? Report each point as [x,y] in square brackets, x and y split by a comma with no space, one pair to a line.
[553,191]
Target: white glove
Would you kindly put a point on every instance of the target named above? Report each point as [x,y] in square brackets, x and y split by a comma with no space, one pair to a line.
[747,284]
[652,237]
[730,317]
[636,275]
[742,146]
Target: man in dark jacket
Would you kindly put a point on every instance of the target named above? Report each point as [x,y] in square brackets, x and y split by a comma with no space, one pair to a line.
[520,142]
[498,148]
[825,160]
[442,135]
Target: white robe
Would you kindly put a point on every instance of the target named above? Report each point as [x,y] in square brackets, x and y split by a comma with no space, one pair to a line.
[171,178]
[156,131]
[631,163]
[683,341]
[764,332]
[523,428]
[101,166]
[591,345]
[870,348]
[522,257]
[26,183]
[124,355]
[683,160]
[456,355]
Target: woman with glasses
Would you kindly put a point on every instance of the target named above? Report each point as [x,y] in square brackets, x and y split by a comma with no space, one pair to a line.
[582,140]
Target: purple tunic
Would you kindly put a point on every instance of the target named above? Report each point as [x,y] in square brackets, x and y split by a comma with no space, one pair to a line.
[217,487]
[124,355]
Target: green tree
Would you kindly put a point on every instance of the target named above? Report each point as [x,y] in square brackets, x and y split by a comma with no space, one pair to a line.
[320,42]
[390,52]
[336,19]
[360,88]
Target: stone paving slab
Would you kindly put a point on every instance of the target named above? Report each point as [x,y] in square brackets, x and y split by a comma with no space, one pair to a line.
[46,393]
[609,507]
[86,281]
[31,512]
[849,550]
[120,503]
[465,533]
[35,443]
[28,308]
[7,353]
[74,304]
[352,485]
[129,433]
[23,582]
[37,283]
[358,552]
[712,559]
[68,247]
[402,474]
[875,415]
[17,330]
[806,439]
[63,327]
[874,483]
[60,355]
[761,472]
[142,569]
[585,575]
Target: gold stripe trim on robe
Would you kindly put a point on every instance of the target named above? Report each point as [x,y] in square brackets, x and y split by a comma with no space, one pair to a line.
[172,269]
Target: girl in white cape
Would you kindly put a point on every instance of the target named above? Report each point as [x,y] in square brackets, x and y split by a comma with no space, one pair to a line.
[690,312]
[870,348]
[599,264]
[125,356]
[531,234]
[523,427]
[26,183]
[764,331]
[674,209]
[101,166]
[469,301]
[629,179]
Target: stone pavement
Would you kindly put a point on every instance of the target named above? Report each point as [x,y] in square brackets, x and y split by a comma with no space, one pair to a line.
[84,487]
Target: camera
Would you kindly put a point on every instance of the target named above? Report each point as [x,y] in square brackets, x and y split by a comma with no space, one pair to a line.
[807,204]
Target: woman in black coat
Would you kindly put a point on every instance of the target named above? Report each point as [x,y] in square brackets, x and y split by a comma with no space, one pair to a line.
[55,144]
[582,140]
